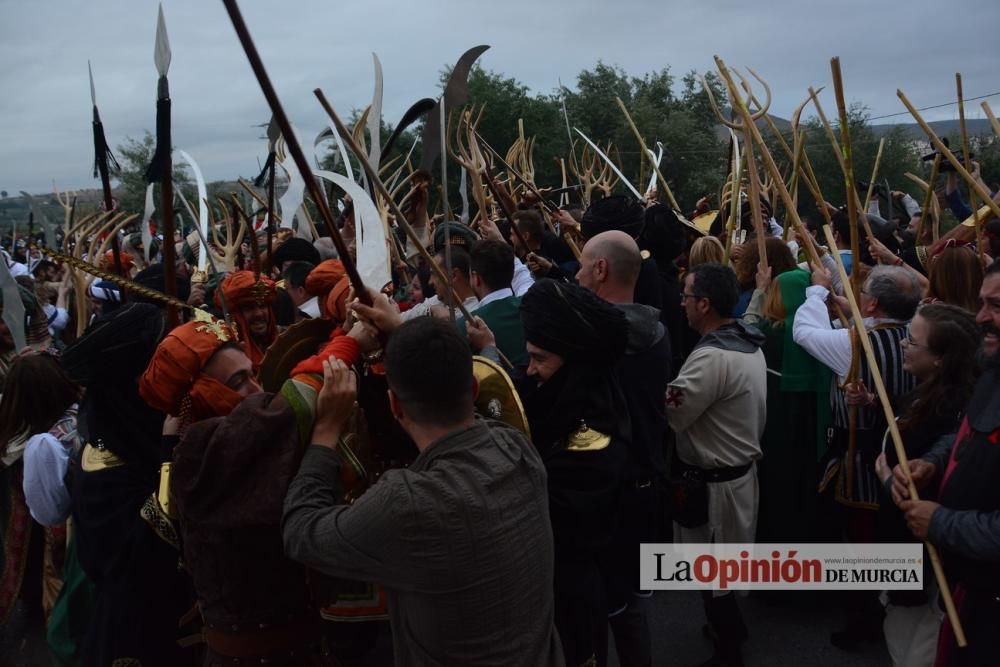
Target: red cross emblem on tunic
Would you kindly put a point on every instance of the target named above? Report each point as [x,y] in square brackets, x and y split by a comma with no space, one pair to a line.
[674,398]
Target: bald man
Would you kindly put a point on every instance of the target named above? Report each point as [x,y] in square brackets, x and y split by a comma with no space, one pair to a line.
[610,264]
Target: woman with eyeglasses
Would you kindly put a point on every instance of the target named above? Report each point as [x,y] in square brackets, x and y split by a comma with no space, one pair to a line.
[939,350]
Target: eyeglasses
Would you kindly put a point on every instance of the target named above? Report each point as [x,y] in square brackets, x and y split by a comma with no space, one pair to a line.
[910,342]
[685,296]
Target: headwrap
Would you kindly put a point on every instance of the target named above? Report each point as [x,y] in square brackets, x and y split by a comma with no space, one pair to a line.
[243,289]
[174,382]
[613,213]
[108,360]
[323,281]
[458,234]
[104,290]
[573,322]
[335,306]
[295,249]
[152,277]
[662,235]
[109,260]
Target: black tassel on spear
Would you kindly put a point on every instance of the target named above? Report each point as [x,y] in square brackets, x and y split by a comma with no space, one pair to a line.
[104,165]
[160,166]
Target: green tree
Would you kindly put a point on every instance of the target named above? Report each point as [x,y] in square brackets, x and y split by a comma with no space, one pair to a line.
[134,156]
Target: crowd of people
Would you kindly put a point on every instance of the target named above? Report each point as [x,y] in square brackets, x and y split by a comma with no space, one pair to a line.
[470,457]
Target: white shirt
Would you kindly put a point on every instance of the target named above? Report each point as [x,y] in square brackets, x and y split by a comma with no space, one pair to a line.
[813,330]
[310,308]
[424,307]
[495,296]
[523,280]
[45,464]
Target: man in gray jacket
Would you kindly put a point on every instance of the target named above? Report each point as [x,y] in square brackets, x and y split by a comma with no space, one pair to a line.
[461,539]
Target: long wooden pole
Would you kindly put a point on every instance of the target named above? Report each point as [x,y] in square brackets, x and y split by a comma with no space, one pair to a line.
[645,155]
[897,441]
[968,161]
[847,163]
[993,119]
[871,182]
[948,155]
[927,199]
[296,151]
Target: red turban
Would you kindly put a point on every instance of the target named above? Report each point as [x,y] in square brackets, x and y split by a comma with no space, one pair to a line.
[174,375]
[336,301]
[242,289]
[322,280]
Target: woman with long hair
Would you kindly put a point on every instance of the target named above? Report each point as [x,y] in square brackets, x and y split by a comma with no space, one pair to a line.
[37,439]
[955,276]
[940,352]
[746,262]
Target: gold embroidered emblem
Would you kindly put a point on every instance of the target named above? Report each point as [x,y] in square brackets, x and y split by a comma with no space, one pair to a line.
[95,459]
[586,439]
[210,325]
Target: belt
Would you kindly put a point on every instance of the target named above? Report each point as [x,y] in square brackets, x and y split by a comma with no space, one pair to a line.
[713,475]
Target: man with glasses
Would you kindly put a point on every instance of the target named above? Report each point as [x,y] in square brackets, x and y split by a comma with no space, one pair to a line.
[717,406]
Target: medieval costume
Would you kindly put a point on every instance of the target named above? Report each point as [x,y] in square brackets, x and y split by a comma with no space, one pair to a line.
[242,290]
[717,407]
[798,413]
[329,277]
[126,546]
[967,524]
[580,425]
[231,469]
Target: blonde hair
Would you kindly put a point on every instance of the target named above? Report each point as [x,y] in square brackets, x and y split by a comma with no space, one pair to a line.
[774,306]
[706,250]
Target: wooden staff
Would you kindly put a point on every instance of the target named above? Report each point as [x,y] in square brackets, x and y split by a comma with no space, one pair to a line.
[993,119]
[948,155]
[847,164]
[871,183]
[840,160]
[897,442]
[375,181]
[645,155]
[966,157]
[927,201]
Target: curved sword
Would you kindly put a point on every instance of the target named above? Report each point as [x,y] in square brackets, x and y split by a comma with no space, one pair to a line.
[370,238]
[202,209]
[610,163]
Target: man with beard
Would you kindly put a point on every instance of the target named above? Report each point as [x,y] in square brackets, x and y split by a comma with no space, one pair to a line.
[236,449]
[579,423]
[248,298]
[964,523]
[717,408]
[609,267]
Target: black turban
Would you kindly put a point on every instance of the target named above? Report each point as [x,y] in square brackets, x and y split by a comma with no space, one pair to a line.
[663,234]
[108,360]
[293,250]
[573,322]
[116,347]
[152,277]
[613,213]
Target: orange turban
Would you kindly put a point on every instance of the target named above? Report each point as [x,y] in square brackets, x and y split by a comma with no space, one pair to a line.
[322,281]
[109,260]
[335,306]
[174,376]
[243,289]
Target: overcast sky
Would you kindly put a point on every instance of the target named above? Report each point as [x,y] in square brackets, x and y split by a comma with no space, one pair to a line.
[45,109]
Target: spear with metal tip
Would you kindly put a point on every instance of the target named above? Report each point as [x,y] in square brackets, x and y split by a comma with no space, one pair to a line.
[104,164]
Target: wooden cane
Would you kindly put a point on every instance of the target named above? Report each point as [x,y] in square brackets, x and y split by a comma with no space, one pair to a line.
[965,156]
[645,155]
[871,182]
[948,155]
[897,441]
[927,199]
[993,119]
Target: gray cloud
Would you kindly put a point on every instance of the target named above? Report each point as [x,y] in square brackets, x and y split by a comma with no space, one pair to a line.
[44,47]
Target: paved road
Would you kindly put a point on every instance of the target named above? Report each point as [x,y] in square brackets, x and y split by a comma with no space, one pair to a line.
[790,631]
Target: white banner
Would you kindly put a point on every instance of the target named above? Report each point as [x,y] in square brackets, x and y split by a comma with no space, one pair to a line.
[781,567]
